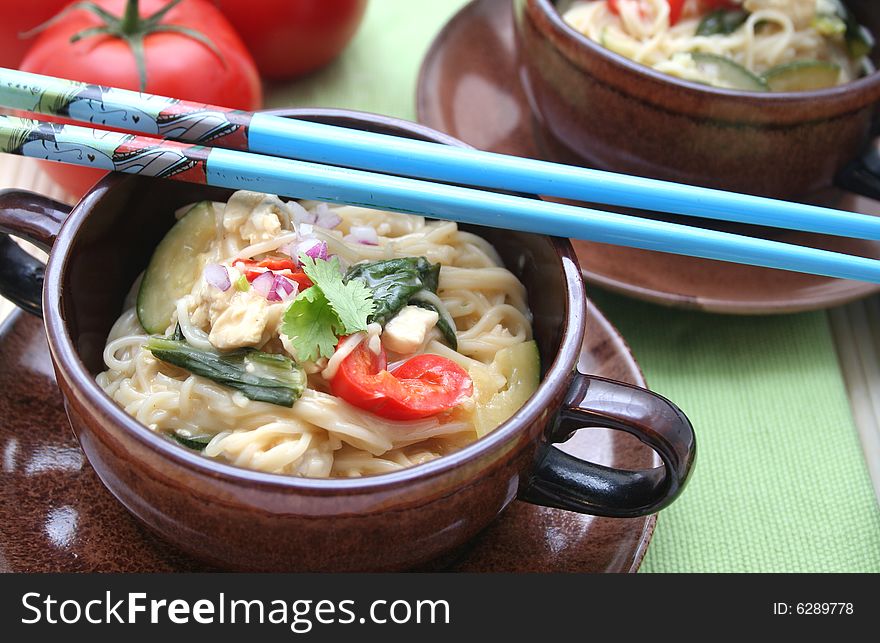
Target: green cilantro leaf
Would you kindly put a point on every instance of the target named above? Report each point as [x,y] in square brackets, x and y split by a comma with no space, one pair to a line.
[311,325]
[351,301]
[328,309]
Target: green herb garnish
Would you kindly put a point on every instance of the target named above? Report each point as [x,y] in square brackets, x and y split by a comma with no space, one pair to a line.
[331,307]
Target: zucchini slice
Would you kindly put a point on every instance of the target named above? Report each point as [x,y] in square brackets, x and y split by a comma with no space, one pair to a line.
[802,75]
[176,264]
[521,366]
[727,74]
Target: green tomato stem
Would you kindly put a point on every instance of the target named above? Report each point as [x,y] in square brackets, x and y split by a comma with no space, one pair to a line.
[131,21]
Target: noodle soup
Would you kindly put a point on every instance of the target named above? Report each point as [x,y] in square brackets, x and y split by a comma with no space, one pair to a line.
[318,341]
[244,519]
[752,45]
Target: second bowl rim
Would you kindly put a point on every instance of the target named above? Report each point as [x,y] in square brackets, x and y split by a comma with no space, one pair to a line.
[869,82]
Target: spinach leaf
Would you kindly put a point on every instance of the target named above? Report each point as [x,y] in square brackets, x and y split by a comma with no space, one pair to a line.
[259,376]
[723,21]
[196,443]
[398,282]
[394,281]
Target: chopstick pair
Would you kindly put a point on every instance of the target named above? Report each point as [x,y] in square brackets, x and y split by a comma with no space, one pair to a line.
[273,137]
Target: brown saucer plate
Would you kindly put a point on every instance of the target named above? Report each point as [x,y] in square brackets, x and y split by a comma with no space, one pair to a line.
[469,88]
[56,516]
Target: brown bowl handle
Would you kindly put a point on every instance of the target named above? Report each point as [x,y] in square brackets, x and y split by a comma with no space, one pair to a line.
[37,219]
[565,482]
[862,175]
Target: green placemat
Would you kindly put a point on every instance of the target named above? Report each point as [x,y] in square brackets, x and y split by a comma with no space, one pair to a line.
[780,483]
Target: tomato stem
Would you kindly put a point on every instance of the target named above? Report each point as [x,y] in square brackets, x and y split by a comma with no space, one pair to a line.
[130,27]
[131,20]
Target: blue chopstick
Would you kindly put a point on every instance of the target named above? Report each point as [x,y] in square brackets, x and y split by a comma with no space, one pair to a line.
[272,135]
[290,138]
[244,170]
[467,205]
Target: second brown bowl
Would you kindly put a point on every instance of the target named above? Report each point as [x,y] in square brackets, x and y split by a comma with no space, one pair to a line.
[594,107]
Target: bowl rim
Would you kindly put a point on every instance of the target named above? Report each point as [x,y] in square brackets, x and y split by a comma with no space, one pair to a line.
[71,368]
[828,94]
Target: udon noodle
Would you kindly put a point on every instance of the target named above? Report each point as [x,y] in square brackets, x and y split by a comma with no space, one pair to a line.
[321,434]
[767,35]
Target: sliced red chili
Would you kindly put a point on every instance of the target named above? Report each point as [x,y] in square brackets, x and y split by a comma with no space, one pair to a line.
[423,386]
[281,265]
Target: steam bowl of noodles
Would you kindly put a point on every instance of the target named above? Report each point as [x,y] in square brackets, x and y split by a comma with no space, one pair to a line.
[276,384]
[770,97]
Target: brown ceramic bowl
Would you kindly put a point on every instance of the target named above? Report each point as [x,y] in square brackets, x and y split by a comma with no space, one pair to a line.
[596,108]
[242,519]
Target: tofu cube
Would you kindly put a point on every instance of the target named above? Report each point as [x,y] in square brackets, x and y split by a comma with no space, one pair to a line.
[406,331]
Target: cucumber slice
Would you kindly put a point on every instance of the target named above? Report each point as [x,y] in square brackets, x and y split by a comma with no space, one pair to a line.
[725,73]
[521,366]
[802,75]
[176,264]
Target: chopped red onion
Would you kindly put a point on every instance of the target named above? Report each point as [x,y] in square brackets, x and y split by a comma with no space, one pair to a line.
[312,248]
[305,246]
[330,221]
[218,276]
[285,284]
[326,218]
[300,214]
[318,251]
[305,230]
[364,234]
[282,289]
[264,283]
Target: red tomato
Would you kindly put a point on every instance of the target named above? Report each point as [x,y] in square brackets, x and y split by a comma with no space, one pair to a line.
[675,8]
[302,280]
[24,17]
[289,38]
[420,387]
[278,263]
[176,65]
[283,266]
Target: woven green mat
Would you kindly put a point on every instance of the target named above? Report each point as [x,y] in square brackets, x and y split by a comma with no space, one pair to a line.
[780,483]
